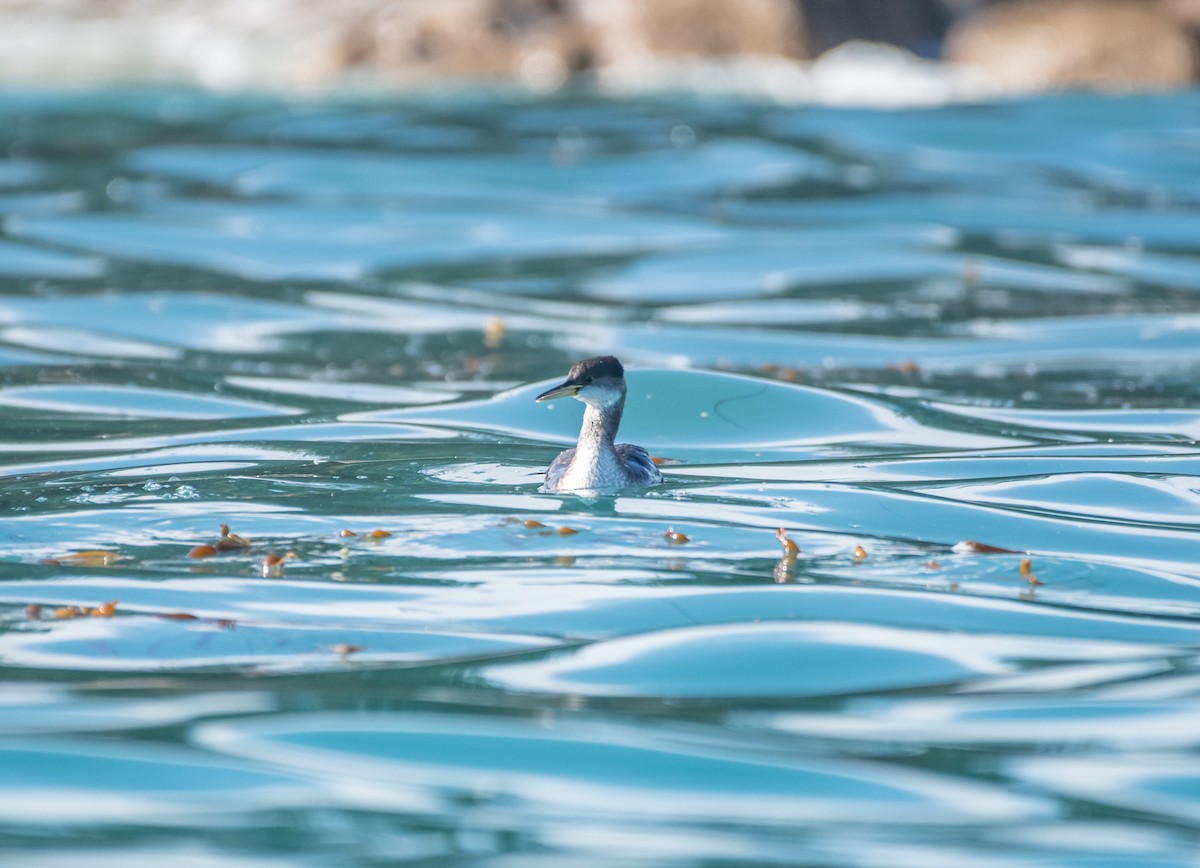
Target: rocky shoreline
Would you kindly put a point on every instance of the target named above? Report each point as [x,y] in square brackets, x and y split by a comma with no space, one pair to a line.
[843,51]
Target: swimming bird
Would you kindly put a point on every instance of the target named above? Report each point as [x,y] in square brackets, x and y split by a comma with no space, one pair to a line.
[597,465]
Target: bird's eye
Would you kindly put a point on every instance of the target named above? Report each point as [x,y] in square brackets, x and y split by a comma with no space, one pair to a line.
[587,379]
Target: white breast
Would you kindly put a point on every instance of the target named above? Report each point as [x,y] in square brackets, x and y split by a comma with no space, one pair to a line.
[593,469]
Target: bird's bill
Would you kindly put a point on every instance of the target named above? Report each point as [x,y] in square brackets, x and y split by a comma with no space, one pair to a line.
[562,390]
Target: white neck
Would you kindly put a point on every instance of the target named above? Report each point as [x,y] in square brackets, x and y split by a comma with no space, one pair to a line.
[595,464]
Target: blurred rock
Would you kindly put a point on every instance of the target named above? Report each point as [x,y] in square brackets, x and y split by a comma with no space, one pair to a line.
[273,43]
[533,42]
[1033,45]
[1187,11]
[693,28]
[748,47]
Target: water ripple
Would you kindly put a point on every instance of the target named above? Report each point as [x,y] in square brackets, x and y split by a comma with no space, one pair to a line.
[856,340]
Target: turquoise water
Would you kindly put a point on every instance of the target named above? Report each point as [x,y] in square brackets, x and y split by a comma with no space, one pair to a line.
[885,332]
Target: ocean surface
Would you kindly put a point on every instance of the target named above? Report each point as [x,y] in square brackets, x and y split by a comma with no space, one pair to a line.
[921,586]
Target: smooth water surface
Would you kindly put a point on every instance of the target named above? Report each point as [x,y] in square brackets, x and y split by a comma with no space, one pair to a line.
[323,324]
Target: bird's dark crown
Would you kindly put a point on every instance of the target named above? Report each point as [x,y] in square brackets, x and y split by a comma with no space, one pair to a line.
[596,367]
